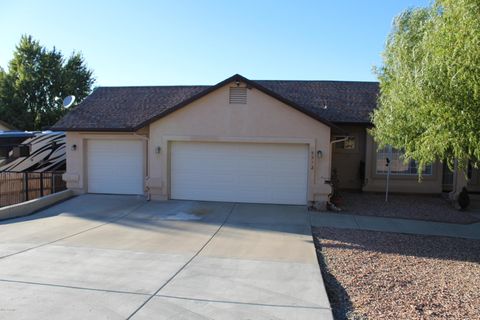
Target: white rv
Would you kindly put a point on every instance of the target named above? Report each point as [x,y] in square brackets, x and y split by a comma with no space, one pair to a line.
[32,151]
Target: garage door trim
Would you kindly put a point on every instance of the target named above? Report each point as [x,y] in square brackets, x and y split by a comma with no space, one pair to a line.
[306,144]
[139,163]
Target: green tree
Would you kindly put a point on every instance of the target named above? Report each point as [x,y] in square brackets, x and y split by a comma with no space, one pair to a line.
[35,79]
[429,103]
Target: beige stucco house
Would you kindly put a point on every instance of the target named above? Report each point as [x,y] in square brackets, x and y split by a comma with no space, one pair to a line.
[239,140]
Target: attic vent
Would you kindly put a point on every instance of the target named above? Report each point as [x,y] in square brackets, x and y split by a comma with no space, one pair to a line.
[238,95]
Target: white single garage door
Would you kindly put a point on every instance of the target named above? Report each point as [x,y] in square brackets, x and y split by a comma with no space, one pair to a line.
[239,172]
[115,166]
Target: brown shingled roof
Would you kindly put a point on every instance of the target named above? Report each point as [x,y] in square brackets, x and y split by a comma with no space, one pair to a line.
[130,108]
[346,101]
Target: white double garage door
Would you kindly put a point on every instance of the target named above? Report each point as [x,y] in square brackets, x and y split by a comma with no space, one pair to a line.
[210,171]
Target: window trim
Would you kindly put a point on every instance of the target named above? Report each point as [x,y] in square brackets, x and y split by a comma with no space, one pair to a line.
[398,174]
[337,149]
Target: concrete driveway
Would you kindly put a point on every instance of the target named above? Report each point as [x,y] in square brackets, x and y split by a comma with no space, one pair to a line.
[119,257]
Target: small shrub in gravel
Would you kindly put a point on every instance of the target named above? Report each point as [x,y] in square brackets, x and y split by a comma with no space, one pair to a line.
[463,199]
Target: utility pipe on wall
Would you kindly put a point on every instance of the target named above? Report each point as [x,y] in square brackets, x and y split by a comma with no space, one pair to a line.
[331,153]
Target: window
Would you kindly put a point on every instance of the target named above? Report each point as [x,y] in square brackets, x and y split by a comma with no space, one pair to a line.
[238,95]
[397,164]
[348,144]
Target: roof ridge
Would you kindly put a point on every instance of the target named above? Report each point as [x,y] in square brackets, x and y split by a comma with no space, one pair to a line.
[207,85]
[344,81]
[155,86]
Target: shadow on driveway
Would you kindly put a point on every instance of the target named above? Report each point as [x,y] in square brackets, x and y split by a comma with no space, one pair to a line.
[432,247]
[188,259]
[136,212]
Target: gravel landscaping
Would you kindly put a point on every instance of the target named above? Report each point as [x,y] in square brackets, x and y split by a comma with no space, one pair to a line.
[377,275]
[419,207]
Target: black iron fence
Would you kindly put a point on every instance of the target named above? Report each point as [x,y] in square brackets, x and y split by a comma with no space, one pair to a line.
[16,187]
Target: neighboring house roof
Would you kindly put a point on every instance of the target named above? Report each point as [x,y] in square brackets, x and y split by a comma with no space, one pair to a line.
[131,108]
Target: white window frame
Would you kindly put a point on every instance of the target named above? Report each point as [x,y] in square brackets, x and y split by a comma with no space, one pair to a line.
[397,163]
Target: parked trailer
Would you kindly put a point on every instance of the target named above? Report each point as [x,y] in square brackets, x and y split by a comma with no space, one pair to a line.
[40,152]
[31,165]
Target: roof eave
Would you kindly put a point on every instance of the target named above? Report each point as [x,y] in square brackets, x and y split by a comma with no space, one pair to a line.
[93,129]
[353,123]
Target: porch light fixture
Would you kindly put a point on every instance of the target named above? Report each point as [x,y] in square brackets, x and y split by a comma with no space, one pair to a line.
[319,154]
[74,147]
[158,150]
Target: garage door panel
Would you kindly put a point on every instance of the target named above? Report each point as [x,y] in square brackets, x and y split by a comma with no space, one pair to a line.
[239,172]
[115,166]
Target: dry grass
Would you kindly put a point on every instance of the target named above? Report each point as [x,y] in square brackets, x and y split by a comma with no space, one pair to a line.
[376,275]
[419,207]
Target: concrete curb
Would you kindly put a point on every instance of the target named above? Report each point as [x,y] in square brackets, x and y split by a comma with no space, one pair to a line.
[28,207]
[382,224]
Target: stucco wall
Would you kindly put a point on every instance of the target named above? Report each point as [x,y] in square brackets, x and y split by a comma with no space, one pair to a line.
[262,120]
[212,119]
[347,162]
[399,183]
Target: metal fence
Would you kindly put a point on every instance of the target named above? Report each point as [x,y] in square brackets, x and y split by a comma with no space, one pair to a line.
[16,187]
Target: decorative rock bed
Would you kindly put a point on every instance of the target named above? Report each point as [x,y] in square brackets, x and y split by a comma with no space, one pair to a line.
[376,275]
[419,207]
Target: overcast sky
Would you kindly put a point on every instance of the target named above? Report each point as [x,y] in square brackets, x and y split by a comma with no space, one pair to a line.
[204,42]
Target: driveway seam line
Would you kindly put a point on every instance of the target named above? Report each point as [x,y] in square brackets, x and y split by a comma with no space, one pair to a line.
[185,265]
[75,234]
[72,287]
[356,222]
[244,303]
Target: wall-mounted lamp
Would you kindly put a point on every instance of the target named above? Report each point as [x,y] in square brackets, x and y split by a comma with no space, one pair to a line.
[74,147]
[158,150]
[319,154]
